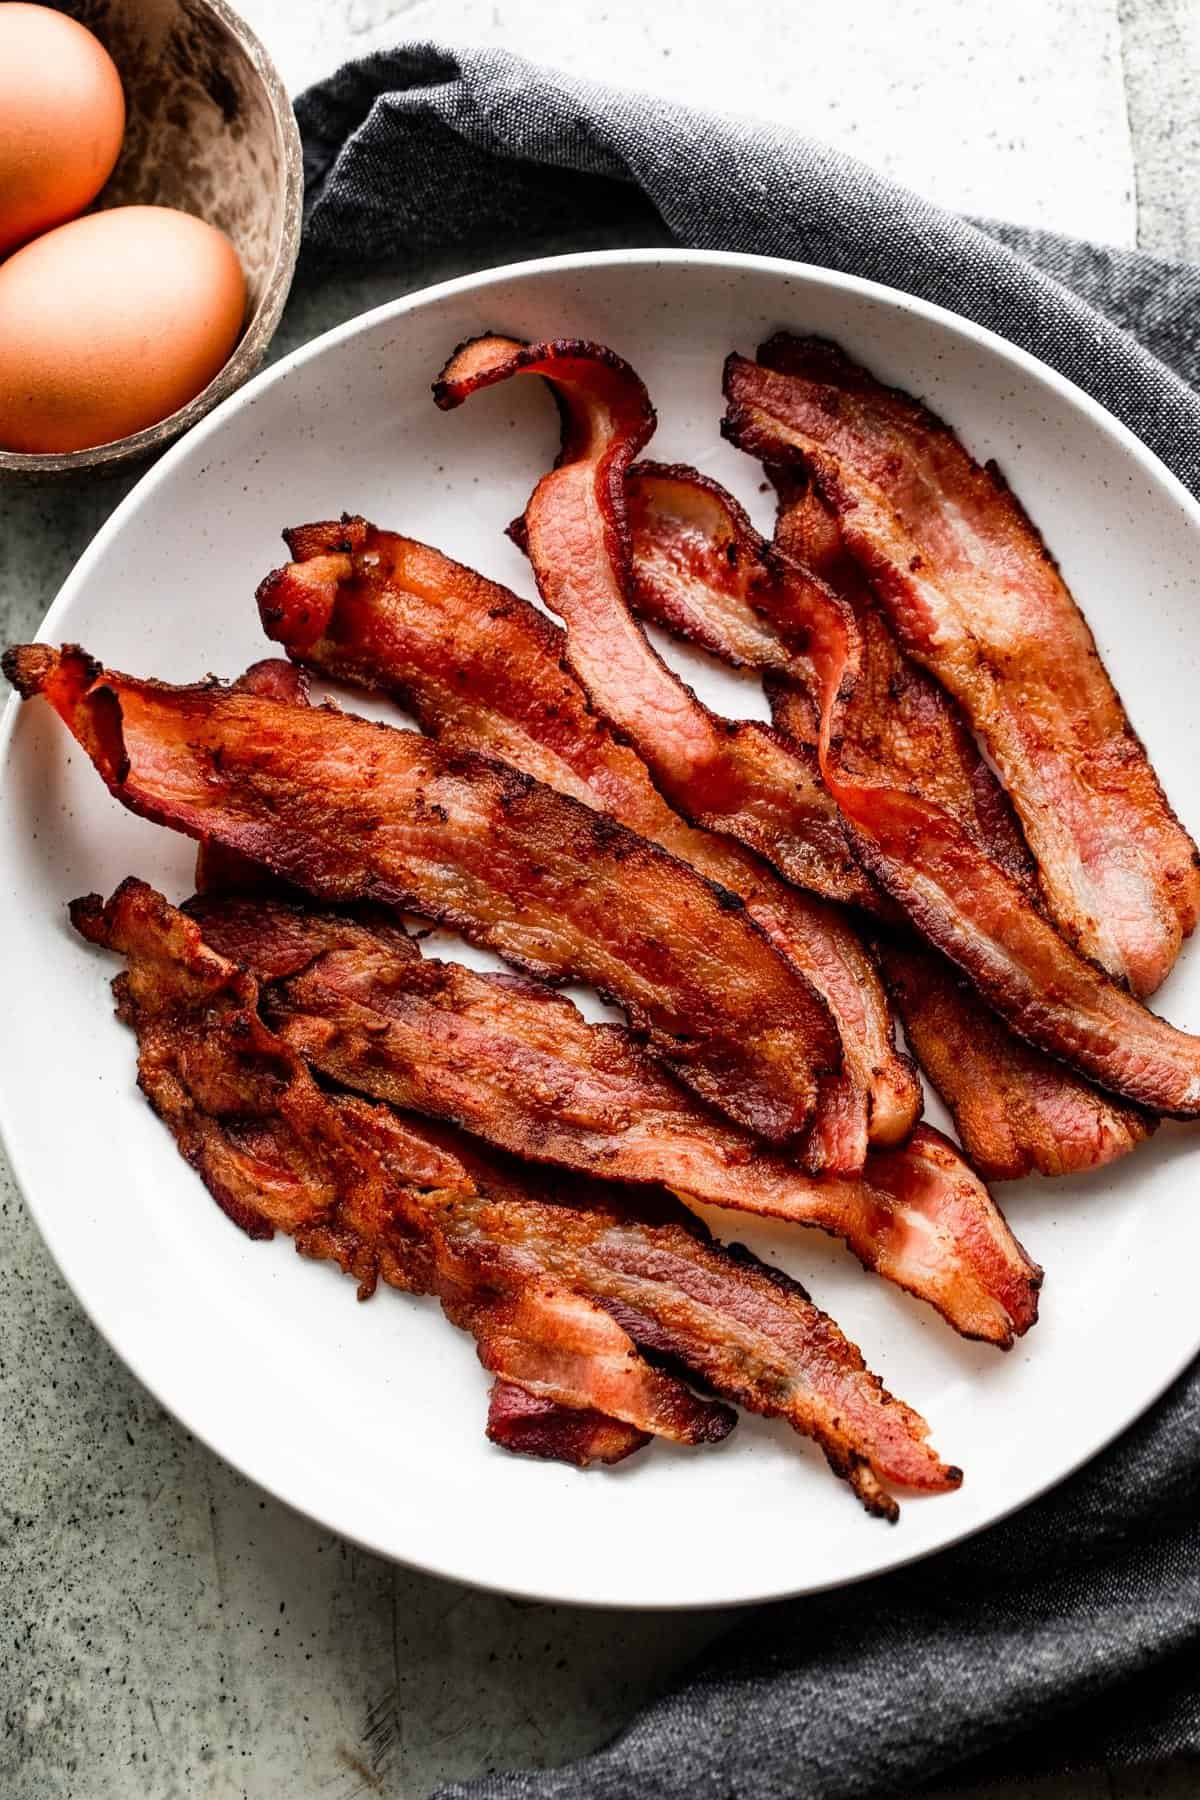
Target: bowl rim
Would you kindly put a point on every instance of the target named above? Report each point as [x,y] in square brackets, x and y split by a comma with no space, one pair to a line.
[251,346]
[1097,415]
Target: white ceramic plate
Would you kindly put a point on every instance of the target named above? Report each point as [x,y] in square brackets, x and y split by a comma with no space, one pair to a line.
[371,1418]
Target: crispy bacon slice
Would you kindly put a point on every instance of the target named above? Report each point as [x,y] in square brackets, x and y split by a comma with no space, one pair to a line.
[552,1282]
[690,574]
[518,1065]
[973,593]
[348,809]
[704,573]
[220,870]
[982,920]
[479,668]
[521,1422]
[701,570]
[735,776]
[276,1153]
[959,897]
[1017,1112]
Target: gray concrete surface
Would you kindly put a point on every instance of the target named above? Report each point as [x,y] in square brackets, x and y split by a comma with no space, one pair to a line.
[168,1631]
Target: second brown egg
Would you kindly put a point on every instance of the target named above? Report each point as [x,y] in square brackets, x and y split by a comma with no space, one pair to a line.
[112,322]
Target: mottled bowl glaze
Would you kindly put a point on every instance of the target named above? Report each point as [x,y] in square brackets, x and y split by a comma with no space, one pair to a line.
[210,130]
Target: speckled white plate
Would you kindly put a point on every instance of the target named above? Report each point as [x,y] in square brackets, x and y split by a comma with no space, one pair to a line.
[371,1418]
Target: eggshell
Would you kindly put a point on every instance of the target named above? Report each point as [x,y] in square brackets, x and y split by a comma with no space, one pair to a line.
[112,322]
[62,118]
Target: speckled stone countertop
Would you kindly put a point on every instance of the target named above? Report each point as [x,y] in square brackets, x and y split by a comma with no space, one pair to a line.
[168,1630]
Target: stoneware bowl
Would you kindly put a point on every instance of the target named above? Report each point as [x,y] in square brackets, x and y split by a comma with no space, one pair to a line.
[210,130]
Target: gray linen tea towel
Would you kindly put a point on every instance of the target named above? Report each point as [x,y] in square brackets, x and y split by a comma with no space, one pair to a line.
[1069,1634]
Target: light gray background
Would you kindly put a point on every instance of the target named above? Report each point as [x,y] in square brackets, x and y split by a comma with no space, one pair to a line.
[166,1630]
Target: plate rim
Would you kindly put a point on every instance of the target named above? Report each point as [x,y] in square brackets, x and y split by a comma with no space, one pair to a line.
[785,269]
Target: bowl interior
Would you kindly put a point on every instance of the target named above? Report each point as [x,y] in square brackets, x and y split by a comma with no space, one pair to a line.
[200,133]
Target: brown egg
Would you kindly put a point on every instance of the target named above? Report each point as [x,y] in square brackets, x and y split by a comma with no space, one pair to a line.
[112,322]
[62,118]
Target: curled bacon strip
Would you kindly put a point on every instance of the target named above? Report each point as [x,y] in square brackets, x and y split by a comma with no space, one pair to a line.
[734,776]
[701,571]
[961,898]
[704,572]
[220,870]
[519,1066]
[973,593]
[554,1285]
[530,1426]
[347,809]
[480,668]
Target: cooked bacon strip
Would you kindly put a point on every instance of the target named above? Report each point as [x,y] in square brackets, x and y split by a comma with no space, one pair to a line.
[278,1154]
[348,809]
[701,570]
[220,870]
[740,1327]
[689,572]
[507,1268]
[518,1065]
[974,594]
[479,668]
[550,1281]
[1017,1112]
[965,902]
[528,1426]
[277,679]
[921,729]
[735,776]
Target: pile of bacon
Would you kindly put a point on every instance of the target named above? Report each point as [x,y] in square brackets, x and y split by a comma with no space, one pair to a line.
[950,815]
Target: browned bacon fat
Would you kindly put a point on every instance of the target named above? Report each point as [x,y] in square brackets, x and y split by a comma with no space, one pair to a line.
[348,809]
[973,593]
[556,1284]
[701,572]
[480,668]
[728,775]
[511,1062]
[744,1330]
